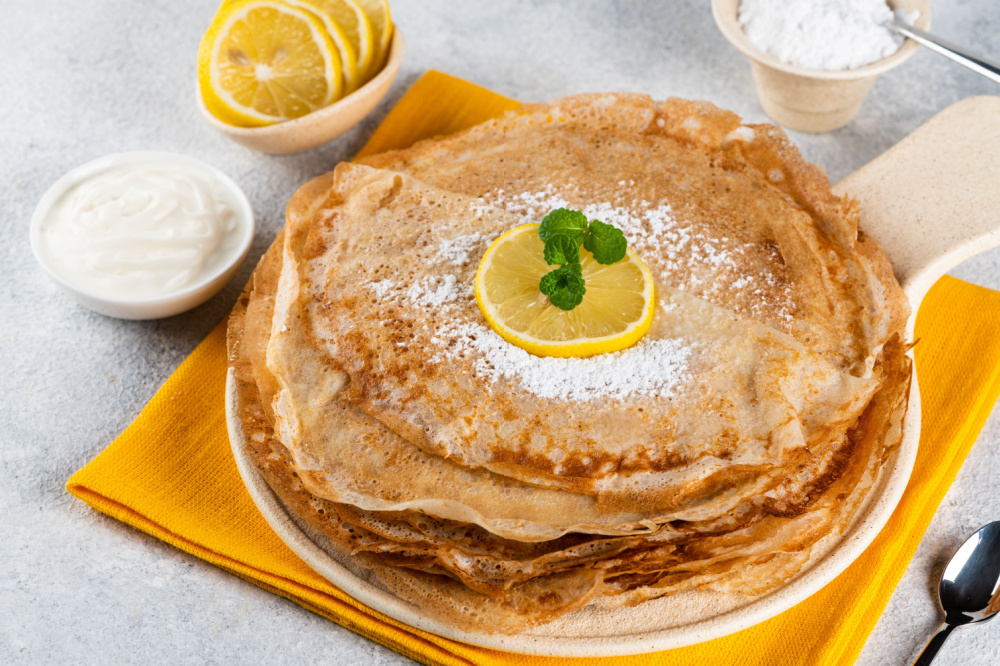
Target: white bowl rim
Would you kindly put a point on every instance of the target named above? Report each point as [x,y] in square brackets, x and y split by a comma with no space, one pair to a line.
[730,29]
[242,209]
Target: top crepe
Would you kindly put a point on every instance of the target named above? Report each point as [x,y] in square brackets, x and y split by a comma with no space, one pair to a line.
[763,396]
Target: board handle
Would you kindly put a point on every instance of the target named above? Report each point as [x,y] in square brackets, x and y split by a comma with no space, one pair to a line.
[933,200]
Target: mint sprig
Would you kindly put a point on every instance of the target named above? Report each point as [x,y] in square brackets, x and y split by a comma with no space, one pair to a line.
[564,222]
[562,231]
[562,250]
[606,242]
[564,287]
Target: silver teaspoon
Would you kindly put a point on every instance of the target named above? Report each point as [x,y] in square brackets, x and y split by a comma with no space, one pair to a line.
[976,63]
[970,587]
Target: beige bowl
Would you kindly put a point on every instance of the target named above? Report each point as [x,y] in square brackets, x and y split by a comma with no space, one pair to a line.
[810,100]
[319,127]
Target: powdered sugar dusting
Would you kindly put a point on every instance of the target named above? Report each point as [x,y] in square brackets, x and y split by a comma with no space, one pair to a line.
[435,291]
[457,250]
[651,368]
[649,227]
[381,288]
[677,254]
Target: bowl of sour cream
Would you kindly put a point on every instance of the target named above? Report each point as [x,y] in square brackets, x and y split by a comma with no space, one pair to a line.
[142,235]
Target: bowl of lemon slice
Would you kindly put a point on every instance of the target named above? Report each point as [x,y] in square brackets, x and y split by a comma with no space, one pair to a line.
[285,76]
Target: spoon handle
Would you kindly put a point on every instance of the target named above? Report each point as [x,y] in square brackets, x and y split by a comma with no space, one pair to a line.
[976,63]
[934,644]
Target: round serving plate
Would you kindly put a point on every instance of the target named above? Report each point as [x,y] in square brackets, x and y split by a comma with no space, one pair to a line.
[929,212]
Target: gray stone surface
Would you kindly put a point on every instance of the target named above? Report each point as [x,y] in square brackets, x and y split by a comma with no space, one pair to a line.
[80,80]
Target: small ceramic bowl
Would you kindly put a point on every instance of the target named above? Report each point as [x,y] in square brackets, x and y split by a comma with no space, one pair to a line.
[162,306]
[810,100]
[322,126]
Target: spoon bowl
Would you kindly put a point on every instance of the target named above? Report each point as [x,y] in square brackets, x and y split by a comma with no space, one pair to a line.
[970,587]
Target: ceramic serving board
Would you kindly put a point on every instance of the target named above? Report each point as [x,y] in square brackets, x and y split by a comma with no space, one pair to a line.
[931,201]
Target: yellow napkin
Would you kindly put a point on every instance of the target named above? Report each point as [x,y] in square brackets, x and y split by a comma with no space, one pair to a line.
[171,473]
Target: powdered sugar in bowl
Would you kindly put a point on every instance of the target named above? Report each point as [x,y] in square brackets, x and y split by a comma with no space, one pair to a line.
[816,100]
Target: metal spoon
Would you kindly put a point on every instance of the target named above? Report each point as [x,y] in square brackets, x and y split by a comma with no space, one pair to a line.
[970,587]
[976,63]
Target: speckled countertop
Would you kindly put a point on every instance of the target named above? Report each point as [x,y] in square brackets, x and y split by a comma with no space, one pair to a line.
[80,80]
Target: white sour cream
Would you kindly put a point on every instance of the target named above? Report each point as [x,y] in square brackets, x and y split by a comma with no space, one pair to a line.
[142,230]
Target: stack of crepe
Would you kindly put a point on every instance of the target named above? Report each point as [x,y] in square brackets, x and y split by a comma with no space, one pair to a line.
[495,490]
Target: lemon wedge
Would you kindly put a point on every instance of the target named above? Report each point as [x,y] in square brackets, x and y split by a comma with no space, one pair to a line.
[264,61]
[380,19]
[616,311]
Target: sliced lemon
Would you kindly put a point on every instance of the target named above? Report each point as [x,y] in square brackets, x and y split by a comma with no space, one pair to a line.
[264,61]
[348,54]
[616,311]
[356,28]
[380,18]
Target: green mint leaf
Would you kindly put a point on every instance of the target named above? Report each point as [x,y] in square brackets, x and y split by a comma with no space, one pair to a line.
[563,221]
[564,287]
[606,242]
[561,249]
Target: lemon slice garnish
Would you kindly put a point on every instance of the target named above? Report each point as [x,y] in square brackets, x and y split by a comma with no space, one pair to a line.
[616,311]
[264,61]
[378,15]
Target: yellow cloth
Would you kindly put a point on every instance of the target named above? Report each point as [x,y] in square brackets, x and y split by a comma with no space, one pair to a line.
[171,473]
